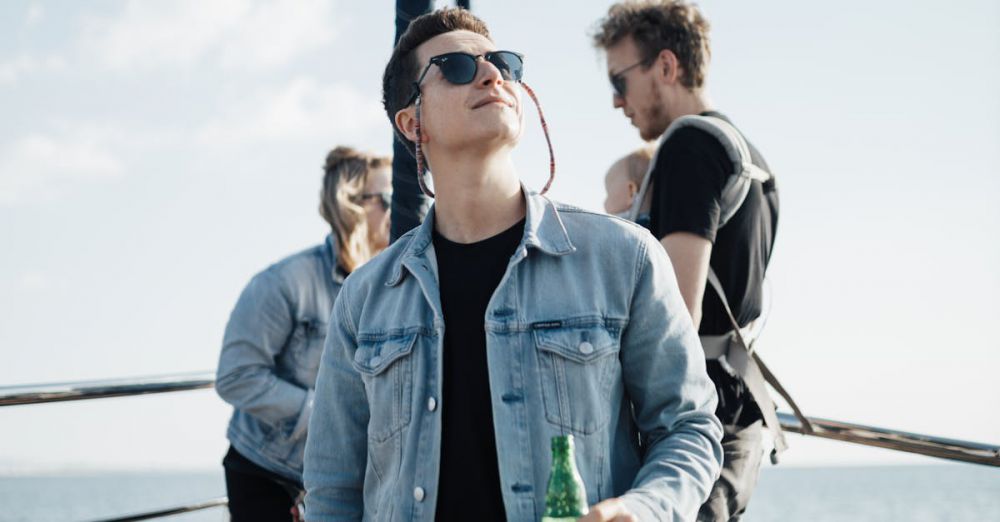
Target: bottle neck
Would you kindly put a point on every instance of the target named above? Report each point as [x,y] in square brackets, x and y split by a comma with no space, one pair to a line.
[563,455]
[566,498]
[562,449]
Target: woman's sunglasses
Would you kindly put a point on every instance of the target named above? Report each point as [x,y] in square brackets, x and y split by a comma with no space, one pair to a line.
[461,68]
[383,198]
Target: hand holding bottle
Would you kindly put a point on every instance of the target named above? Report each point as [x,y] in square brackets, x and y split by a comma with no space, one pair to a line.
[610,510]
[566,498]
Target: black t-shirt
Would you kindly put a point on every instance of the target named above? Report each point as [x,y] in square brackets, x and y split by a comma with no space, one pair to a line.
[691,169]
[469,484]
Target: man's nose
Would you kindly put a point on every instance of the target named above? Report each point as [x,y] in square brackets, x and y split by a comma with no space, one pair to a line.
[617,101]
[489,74]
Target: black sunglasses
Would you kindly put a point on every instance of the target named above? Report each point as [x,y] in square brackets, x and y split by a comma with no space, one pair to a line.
[384,198]
[618,79]
[460,68]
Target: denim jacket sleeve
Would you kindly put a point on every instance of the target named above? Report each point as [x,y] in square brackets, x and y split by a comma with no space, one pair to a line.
[335,462]
[663,365]
[256,333]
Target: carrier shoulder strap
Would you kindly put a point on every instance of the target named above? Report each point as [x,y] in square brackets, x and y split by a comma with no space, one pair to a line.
[737,185]
[751,368]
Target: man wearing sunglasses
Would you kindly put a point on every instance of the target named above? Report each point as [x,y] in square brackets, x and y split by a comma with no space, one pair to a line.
[505,319]
[657,58]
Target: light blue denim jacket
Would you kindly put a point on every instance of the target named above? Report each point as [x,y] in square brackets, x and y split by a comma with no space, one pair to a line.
[270,355]
[586,334]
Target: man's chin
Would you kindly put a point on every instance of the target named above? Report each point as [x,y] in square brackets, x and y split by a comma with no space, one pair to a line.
[500,134]
[650,133]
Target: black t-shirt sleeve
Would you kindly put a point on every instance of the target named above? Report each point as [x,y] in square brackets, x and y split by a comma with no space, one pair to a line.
[691,168]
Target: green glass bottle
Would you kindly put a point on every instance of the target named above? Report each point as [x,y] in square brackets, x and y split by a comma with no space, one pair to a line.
[566,497]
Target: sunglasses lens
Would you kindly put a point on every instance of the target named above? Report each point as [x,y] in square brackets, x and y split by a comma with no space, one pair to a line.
[461,68]
[458,68]
[511,66]
[618,84]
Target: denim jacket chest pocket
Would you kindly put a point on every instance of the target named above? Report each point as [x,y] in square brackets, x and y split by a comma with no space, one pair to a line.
[386,367]
[577,366]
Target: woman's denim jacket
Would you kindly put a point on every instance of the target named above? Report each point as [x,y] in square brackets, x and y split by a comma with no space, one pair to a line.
[586,334]
[270,356]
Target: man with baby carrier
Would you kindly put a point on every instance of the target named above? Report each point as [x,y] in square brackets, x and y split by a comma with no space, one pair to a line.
[714,208]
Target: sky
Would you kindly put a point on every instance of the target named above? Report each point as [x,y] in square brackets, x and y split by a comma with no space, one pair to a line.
[155,155]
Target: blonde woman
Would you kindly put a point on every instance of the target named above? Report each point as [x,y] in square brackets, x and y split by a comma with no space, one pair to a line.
[274,338]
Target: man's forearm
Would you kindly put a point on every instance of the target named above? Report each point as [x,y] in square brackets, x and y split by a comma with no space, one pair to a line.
[679,470]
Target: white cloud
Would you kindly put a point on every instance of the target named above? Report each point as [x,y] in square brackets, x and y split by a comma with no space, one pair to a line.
[248,34]
[13,70]
[35,14]
[161,32]
[301,109]
[274,33]
[39,166]
[37,281]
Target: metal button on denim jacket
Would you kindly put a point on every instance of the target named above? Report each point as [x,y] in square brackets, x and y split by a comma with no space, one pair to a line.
[271,353]
[585,334]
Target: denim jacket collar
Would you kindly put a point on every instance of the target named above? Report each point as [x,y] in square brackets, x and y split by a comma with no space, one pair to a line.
[543,230]
[330,259]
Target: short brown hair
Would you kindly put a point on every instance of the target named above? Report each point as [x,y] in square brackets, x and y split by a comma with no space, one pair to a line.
[402,69]
[656,25]
[345,174]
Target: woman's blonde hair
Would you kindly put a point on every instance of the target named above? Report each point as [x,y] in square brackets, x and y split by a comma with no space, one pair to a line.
[346,173]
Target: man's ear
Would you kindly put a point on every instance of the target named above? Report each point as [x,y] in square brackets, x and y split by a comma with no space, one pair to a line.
[668,67]
[406,122]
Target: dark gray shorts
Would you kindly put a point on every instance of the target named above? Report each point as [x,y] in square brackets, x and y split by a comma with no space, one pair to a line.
[742,450]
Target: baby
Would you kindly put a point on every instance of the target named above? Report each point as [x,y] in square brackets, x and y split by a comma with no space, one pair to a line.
[623,181]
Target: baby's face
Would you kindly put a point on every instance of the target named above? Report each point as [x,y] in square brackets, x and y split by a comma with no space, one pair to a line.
[616,185]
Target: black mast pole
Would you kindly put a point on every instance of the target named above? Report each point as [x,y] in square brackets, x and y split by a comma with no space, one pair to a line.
[409,204]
